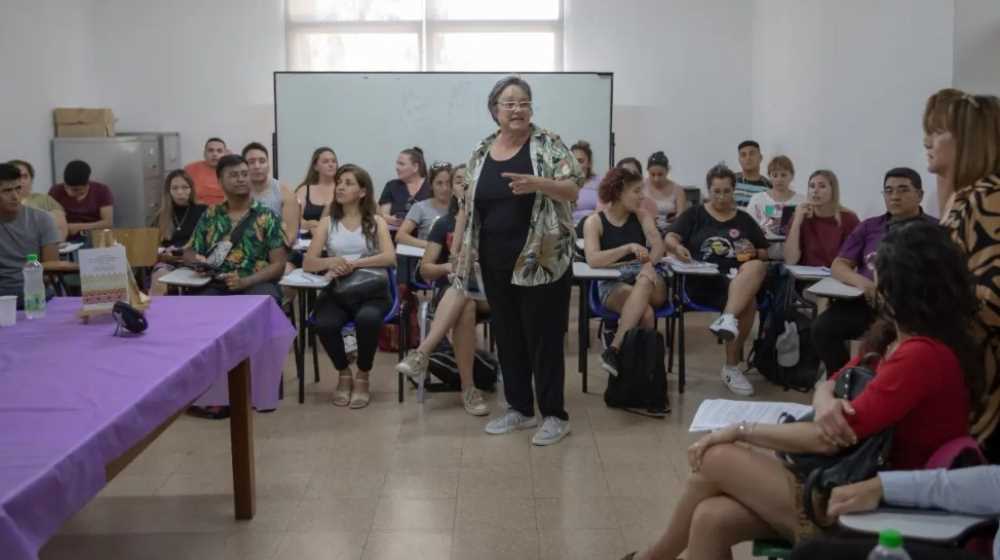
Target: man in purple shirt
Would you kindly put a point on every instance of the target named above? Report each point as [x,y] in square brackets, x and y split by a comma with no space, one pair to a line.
[848,319]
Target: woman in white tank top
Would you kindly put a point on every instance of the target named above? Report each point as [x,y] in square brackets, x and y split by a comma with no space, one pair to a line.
[354,236]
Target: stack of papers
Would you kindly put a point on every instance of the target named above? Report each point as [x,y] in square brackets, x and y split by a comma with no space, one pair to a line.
[715,414]
[691,266]
[801,271]
[299,276]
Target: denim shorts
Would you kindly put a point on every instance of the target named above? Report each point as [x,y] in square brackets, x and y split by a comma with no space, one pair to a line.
[629,273]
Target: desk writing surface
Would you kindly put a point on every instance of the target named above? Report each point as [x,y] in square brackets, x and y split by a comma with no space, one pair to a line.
[833,288]
[928,525]
[409,250]
[185,278]
[586,272]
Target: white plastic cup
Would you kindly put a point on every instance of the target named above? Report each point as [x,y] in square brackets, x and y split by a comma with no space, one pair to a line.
[8,311]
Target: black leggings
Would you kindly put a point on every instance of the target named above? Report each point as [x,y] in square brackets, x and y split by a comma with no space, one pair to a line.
[331,318]
[844,320]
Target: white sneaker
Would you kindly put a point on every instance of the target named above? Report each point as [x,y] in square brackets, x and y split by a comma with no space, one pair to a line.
[736,381]
[474,402]
[414,365]
[725,327]
[510,421]
[552,431]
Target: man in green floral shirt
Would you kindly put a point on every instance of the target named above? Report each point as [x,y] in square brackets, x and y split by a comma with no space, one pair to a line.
[240,240]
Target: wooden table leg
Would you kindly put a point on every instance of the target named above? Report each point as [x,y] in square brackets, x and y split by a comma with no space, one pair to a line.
[241,441]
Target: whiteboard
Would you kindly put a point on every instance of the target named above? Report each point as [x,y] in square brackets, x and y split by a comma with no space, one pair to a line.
[368,118]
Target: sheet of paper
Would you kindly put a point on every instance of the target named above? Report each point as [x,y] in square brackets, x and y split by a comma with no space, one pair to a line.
[682,266]
[300,276]
[810,271]
[714,414]
[103,277]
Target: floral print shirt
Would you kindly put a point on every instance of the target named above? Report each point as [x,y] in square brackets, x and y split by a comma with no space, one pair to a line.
[549,249]
[252,253]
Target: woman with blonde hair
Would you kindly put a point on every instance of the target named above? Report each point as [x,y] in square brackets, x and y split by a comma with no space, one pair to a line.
[962,139]
[820,224]
[178,215]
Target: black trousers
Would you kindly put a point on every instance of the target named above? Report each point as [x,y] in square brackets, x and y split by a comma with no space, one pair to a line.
[368,316]
[530,325]
[844,320]
[858,548]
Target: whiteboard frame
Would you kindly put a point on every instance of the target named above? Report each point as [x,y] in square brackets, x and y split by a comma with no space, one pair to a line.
[275,155]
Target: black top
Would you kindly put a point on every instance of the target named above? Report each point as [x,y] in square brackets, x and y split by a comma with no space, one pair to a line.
[312,212]
[397,194]
[441,233]
[728,244]
[504,217]
[185,219]
[614,236]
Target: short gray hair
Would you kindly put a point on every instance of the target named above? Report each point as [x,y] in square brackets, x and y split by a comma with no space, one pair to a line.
[491,102]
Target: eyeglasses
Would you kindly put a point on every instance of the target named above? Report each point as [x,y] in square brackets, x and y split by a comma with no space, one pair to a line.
[511,105]
[440,165]
[889,191]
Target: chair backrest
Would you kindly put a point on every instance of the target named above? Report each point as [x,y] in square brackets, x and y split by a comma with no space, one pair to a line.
[140,245]
[693,195]
[957,453]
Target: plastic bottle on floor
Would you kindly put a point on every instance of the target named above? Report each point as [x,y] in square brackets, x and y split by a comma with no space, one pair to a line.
[890,547]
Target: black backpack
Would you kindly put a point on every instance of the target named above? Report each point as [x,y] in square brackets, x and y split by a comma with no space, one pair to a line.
[441,364]
[786,305]
[641,383]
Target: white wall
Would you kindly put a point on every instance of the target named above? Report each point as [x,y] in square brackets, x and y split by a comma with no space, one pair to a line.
[199,68]
[682,76]
[47,51]
[977,46]
[842,85]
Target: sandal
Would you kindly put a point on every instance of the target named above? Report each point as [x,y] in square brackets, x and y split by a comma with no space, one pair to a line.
[362,396]
[342,395]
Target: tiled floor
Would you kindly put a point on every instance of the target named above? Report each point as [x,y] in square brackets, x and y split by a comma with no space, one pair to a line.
[407,481]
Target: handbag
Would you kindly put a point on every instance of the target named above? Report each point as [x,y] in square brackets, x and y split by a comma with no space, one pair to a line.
[820,474]
[359,286]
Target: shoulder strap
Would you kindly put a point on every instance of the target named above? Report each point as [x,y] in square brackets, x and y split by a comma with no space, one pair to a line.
[236,235]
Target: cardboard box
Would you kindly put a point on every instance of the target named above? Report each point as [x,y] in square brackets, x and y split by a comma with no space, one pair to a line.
[76,122]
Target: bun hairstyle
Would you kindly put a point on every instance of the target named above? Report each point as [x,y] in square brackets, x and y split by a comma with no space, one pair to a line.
[614,182]
[416,155]
[658,159]
[632,160]
[584,147]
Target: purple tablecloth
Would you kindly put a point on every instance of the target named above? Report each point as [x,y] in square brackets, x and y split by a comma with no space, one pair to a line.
[73,397]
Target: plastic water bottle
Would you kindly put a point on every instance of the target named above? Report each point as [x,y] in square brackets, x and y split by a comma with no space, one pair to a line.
[34,289]
[890,547]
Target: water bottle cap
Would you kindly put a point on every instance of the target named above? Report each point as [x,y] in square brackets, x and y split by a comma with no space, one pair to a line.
[890,538]
[32,257]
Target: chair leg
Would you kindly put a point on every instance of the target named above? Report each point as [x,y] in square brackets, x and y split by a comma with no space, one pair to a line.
[300,349]
[681,365]
[404,314]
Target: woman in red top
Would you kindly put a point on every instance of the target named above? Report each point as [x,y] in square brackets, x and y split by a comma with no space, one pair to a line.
[736,493]
[820,225]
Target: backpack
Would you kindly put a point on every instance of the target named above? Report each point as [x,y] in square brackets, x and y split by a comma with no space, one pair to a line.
[388,336]
[641,383]
[783,351]
[441,364]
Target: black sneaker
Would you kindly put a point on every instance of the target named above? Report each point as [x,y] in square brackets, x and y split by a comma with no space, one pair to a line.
[609,360]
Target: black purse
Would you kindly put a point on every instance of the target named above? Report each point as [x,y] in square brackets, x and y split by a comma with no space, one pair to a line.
[820,474]
[359,286]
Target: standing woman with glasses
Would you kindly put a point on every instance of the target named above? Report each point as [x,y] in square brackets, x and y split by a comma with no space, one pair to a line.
[518,222]
[962,138]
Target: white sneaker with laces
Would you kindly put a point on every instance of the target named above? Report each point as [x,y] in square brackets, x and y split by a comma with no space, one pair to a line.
[552,431]
[510,421]
[414,365]
[725,327]
[736,381]
[474,402]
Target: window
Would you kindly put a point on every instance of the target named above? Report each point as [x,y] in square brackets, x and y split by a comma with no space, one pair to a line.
[414,35]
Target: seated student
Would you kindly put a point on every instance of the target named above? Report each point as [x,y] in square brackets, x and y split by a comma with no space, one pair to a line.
[766,207]
[269,191]
[970,491]
[206,181]
[847,319]
[631,164]
[666,198]
[820,224]
[179,213]
[40,201]
[587,200]
[749,180]
[922,389]
[26,231]
[315,193]
[422,215]
[622,233]
[720,233]
[240,239]
[89,205]
[355,237]
[454,312]
[409,187]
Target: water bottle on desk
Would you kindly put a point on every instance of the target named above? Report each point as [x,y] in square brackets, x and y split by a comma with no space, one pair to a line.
[890,547]
[34,289]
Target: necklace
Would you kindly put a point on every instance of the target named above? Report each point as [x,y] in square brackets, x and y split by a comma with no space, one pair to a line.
[180,222]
